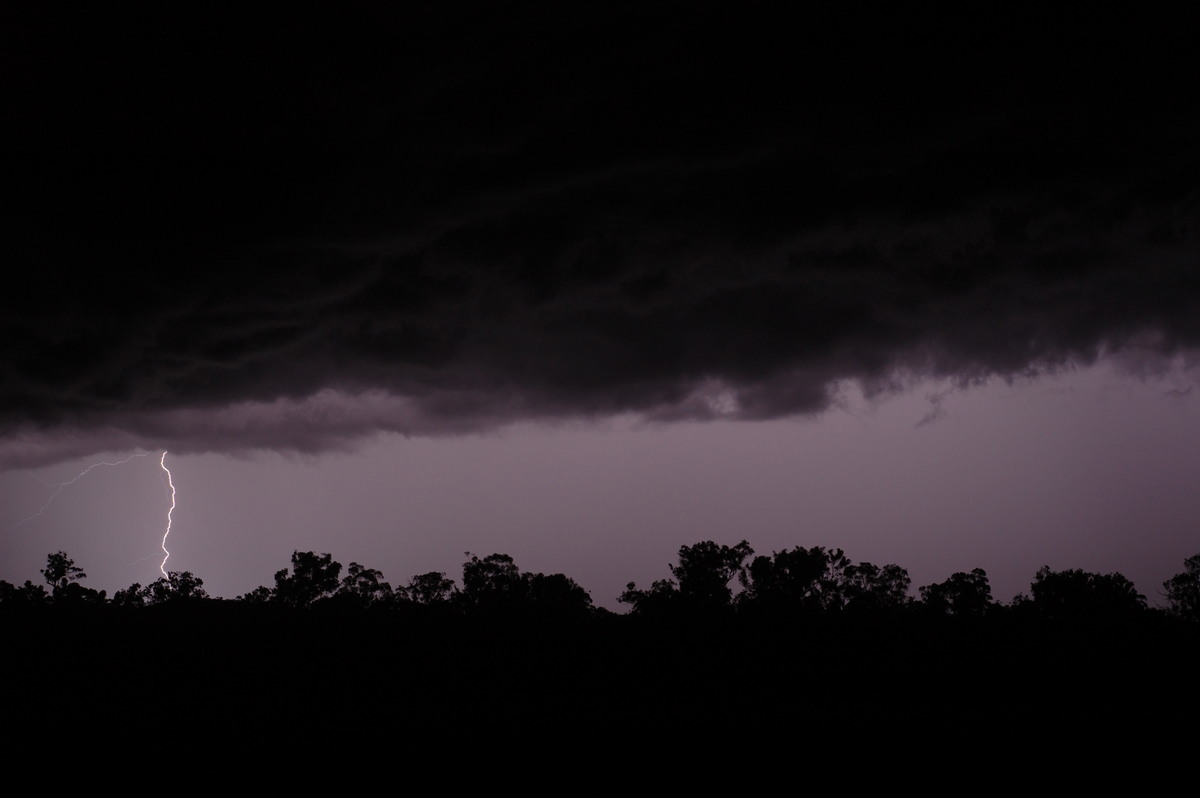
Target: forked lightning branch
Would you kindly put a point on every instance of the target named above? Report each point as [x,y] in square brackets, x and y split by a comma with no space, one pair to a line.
[162,462]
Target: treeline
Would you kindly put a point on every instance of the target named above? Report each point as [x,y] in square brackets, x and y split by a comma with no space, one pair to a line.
[802,650]
[812,582]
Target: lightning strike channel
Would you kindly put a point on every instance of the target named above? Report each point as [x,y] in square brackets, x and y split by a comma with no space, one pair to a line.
[58,486]
[171,483]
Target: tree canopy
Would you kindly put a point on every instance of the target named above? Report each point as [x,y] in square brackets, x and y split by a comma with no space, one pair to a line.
[1183,590]
[797,581]
[1074,593]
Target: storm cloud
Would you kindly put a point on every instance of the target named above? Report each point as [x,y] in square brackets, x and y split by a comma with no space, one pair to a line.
[293,229]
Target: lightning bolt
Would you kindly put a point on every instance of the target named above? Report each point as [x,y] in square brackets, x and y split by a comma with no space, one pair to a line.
[58,486]
[166,554]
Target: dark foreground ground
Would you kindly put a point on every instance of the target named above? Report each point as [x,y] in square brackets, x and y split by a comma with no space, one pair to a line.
[238,683]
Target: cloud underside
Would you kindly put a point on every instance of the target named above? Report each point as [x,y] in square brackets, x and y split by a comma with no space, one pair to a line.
[472,231]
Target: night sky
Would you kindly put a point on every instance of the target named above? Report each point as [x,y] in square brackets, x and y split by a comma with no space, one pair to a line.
[586,282]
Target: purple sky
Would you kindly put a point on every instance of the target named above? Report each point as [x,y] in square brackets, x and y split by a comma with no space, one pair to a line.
[583,283]
[1089,469]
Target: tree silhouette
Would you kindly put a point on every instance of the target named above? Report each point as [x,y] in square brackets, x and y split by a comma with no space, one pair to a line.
[364,586]
[558,596]
[259,595]
[822,580]
[1183,590]
[1075,594]
[132,596]
[61,571]
[27,594]
[702,577]
[494,584]
[705,570]
[432,588]
[312,578]
[799,580]
[176,586]
[493,581]
[63,576]
[869,587]
[961,594]
[662,596]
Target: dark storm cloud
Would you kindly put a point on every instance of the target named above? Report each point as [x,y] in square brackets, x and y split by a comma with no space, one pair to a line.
[297,226]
